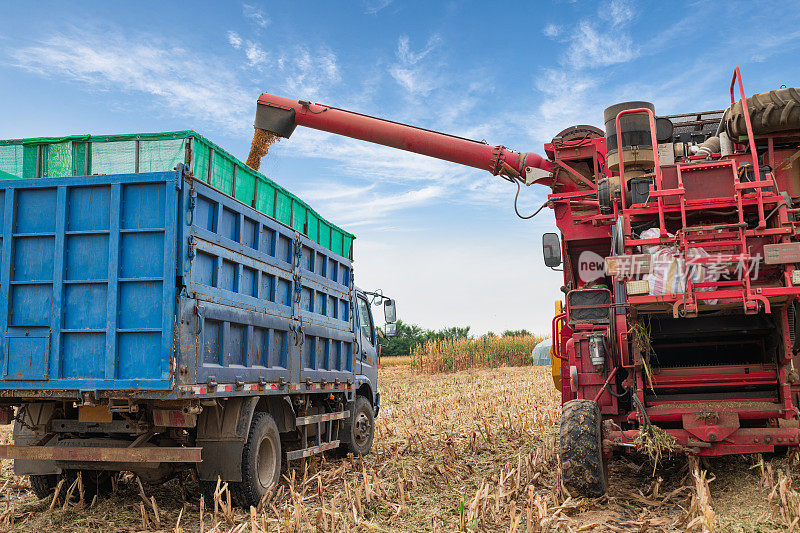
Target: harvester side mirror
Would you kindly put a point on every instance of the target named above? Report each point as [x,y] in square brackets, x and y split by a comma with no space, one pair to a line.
[390,330]
[389,313]
[551,248]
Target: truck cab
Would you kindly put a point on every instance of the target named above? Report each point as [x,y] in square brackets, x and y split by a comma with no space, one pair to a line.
[367,350]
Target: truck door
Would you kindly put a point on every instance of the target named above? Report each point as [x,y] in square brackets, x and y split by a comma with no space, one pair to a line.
[367,355]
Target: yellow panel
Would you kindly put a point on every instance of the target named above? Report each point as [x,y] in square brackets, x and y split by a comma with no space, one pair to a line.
[97,413]
[555,362]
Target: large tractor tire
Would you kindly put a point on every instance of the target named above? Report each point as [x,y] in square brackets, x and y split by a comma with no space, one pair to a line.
[583,469]
[770,112]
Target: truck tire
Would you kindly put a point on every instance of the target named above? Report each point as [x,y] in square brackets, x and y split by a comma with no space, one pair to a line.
[583,469]
[95,483]
[261,462]
[43,485]
[358,430]
[770,112]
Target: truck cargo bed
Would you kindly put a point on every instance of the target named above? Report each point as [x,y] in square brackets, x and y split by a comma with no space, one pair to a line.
[160,286]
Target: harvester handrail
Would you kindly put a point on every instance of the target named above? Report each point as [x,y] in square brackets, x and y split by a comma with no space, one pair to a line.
[555,332]
[737,75]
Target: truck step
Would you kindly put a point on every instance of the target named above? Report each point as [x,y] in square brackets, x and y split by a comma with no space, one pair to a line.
[324,417]
[313,450]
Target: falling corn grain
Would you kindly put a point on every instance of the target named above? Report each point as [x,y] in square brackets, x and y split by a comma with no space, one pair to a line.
[262,140]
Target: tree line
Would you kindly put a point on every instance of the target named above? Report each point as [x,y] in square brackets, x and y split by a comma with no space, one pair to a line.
[410,335]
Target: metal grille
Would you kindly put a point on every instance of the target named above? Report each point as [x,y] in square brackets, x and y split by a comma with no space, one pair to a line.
[695,126]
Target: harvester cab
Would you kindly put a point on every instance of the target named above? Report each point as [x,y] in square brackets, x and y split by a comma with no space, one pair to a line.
[679,246]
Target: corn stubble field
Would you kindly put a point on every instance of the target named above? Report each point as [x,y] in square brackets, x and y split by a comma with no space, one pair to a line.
[468,450]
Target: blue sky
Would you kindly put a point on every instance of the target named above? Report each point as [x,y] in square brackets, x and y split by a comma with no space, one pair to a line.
[441,238]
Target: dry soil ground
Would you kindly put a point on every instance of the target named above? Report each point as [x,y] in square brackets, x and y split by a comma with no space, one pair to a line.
[469,451]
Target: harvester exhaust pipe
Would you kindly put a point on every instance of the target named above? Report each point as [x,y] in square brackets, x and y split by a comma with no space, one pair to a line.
[277,117]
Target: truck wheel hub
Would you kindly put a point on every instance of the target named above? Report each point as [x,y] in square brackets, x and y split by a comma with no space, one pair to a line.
[361,428]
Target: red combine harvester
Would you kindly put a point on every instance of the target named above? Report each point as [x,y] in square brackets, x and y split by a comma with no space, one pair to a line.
[679,239]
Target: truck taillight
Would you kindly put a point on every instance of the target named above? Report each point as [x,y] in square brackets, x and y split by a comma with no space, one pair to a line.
[637,287]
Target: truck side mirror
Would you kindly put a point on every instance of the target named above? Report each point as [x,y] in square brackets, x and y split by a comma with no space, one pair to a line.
[389,312]
[551,248]
[390,329]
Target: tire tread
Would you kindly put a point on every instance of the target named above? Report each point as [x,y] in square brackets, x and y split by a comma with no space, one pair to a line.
[583,468]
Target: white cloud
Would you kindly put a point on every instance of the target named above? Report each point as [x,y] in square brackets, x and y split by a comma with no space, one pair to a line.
[306,74]
[410,72]
[255,55]
[619,12]
[200,87]
[551,30]
[234,39]
[255,15]
[374,207]
[409,57]
[594,49]
[334,191]
[373,6]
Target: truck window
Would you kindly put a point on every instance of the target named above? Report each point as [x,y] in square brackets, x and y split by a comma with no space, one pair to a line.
[365,320]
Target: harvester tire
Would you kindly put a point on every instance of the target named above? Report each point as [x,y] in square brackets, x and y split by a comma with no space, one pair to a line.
[770,112]
[583,469]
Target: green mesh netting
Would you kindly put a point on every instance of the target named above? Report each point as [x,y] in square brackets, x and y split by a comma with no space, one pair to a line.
[283,208]
[159,152]
[201,158]
[117,157]
[222,174]
[245,186]
[265,198]
[157,156]
[313,226]
[325,234]
[336,241]
[57,160]
[29,162]
[299,217]
[11,162]
[81,165]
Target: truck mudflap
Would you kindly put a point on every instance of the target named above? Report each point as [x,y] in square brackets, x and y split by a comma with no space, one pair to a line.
[88,454]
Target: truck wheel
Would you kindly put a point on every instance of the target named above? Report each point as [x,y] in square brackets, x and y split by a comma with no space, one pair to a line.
[95,483]
[583,468]
[358,430]
[261,462]
[43,485]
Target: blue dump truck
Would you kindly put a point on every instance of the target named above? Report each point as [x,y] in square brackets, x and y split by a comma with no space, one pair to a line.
[185,312]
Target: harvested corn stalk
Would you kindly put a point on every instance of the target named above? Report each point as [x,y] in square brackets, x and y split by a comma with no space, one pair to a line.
[655,442]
